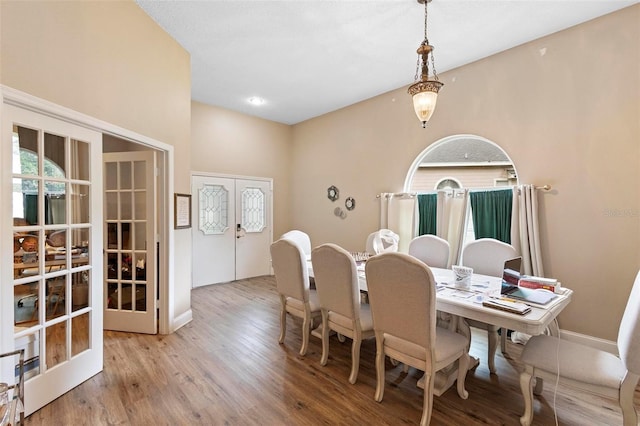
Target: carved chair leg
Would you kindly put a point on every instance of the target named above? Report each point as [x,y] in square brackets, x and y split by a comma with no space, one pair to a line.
[526,386]
[325,338]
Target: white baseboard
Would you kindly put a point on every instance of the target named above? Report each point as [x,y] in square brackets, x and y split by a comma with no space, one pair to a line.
[594,342]
[181,320]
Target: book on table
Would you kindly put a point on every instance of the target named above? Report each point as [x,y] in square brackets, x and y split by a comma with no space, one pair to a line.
[532,282]
[507,305]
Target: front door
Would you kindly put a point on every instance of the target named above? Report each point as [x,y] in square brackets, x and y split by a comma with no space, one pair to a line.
[130,251]
[231,228]
[51,298]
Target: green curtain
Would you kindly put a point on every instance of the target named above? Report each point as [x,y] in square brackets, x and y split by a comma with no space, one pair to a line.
[30,206]
[491,213]
[427,204]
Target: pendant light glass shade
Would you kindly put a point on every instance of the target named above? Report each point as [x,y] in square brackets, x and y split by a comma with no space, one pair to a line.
[425,96]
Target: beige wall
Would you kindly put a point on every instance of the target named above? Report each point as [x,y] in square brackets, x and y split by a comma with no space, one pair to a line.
[565,108]
[108,60]
[227,142]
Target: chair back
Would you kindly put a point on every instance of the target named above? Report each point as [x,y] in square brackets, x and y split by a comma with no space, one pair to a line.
[369,246]
[382,241]
[629,333]
[290,267]
[402,298]
[301,238]
[432,250]
[487,256]
[336,277]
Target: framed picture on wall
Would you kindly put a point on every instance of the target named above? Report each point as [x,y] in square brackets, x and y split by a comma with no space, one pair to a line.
[182,213]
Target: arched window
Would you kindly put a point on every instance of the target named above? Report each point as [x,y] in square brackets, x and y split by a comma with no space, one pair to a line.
[455,163]
[468,161]
[448,183]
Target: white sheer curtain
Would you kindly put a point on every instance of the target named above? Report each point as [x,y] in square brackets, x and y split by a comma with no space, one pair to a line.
[451,218]
[525,235]
[399,213]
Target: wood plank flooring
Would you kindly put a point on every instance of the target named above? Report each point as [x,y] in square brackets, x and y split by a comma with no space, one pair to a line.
[227,368]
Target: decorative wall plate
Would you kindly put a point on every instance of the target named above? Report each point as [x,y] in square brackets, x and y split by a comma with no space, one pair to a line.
[350,203]
[333,193]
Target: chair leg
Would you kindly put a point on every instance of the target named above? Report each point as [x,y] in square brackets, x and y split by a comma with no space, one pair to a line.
[428,399]
[526,386]
[306,331]
[325,338]
[492,337]
[538,386]
[629,414]
[379,368]
[503,340]
[283,319]
[355,357]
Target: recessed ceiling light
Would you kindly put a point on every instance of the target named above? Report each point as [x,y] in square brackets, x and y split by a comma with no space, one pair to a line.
[256,101]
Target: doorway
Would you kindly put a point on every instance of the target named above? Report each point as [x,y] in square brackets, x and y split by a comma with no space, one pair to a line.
[130,249]
[232,228]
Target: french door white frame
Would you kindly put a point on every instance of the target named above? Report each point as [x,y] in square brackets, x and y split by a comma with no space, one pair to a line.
[166,280]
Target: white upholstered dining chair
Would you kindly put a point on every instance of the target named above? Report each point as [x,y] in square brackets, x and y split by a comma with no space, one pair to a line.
[301,238]
[586,368]
[431,249]
[381,241]
[336,277]
[292,282]
[403,298]
[487,256]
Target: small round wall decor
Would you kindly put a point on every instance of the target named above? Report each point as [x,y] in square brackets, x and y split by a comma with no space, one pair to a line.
[333,193]
[350,203]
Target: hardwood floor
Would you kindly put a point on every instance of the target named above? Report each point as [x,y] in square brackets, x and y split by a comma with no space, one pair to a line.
[227,368]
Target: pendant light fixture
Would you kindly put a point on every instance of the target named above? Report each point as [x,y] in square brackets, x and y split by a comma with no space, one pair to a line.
[424,90]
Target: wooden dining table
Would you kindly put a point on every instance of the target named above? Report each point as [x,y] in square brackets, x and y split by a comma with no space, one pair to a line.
[464,304]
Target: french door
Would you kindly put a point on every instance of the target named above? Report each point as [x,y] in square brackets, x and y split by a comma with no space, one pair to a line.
[231,228]
[51,301]
[130,251]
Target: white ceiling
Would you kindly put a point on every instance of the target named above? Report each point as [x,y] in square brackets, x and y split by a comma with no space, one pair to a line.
[310,57]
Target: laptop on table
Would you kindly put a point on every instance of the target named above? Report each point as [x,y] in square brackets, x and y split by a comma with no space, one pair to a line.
[510,276]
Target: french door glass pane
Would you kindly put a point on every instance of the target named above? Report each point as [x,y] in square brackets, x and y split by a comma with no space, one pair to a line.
[80,201]
[111,176]
[56,344]
[54,156]
[26,160]
[25,201]
[79,167]
[55,297]
[141,205]
[112,206]
[79,334]
[140,177]
[79,290]
[125,205]
[140,236]
[125,175]
[25,299]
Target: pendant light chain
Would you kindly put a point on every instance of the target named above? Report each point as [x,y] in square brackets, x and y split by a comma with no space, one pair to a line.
[426,40]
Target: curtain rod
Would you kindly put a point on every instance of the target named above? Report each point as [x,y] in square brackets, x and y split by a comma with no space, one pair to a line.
[545,187]
[397,194]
